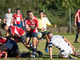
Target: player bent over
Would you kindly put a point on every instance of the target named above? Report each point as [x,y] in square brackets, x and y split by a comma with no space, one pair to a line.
[62,44]
[16,32]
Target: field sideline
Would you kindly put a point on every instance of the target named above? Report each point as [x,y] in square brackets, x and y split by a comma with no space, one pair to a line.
[41,47]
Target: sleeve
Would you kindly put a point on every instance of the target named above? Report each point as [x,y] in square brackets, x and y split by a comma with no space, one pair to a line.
[11,30]
[50,44]
[48,22]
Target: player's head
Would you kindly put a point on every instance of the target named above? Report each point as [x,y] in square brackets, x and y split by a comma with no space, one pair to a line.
[17,10]
[41,13]
[4,26]
[49,34]
[30,14]
[9,10]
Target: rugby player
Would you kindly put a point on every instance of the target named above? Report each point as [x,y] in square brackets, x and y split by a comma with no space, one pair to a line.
[9,48]
[62,44]
[77,21]
[31,25]
[17,18]
[19,35]
[43,23]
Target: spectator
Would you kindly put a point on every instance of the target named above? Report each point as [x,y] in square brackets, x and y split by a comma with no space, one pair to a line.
[17,18]
[8,18]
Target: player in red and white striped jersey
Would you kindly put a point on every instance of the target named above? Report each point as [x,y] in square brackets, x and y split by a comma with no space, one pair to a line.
[31,25]
[77,21]
[17,18]
[15,32]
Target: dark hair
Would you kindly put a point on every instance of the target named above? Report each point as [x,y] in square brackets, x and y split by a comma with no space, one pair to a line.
[17,9]
[29,11]
[40,11]
[3,25]
[49,33]
[44,13]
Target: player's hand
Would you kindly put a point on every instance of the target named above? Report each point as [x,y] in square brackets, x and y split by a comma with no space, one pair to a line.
[75,24]
[46,50]
[55,25]
[28,29]
[42,29]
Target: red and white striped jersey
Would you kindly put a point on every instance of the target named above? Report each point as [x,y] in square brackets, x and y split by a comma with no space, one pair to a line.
[78,13]
[1,54]
[33,23]
[2,41]
[16,31]
[17,18]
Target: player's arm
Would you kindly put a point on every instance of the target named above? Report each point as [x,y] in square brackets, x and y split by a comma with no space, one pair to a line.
[4,21]
[5,57]
[49,24]
[27,27]
[76,15]
[10,36]
[50,52]
[69,44]
[12,21]
[50,49]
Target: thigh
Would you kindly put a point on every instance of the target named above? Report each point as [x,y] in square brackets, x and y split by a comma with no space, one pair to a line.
[44,33]
[23,38]
[63,54]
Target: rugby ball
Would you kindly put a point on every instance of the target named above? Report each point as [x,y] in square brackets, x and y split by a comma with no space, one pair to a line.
[39,35]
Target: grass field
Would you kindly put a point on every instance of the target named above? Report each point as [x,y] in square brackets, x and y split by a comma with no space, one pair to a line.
[41,47]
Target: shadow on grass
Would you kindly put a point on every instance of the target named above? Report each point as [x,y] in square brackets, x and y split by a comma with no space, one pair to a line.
[47,56]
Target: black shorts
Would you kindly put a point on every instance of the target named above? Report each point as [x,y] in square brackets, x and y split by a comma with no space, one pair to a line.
[78,25]
[44,33]
[22,38]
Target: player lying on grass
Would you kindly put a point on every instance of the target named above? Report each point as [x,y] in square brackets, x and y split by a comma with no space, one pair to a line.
[9,48]
[62,44]
[17,32]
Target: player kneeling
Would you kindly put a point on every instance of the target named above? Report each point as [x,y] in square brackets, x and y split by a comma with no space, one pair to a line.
[62,44]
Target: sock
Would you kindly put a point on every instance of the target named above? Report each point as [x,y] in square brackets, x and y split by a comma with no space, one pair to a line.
[30,43]
[76,37]
[34,50]
[46,44]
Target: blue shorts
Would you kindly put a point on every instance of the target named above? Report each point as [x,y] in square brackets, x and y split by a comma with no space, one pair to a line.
[18,25]
[31,34]
[11,45]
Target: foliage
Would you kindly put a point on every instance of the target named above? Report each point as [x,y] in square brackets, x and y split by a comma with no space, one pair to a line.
[57,10]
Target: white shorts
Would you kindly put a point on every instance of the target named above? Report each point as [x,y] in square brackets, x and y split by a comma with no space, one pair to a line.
[67,52]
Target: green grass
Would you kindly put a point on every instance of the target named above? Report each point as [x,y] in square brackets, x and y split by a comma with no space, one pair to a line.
[41,47]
